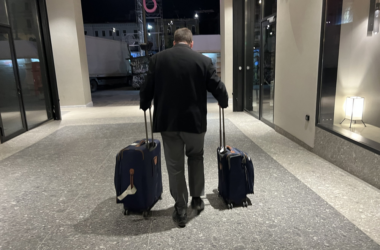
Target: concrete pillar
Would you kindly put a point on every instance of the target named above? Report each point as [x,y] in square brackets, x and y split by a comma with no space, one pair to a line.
[226,34]
[69,51]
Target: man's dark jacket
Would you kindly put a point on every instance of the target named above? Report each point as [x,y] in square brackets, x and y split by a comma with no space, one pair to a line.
[178,80]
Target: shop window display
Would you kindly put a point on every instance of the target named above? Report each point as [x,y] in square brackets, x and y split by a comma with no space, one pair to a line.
[350,80]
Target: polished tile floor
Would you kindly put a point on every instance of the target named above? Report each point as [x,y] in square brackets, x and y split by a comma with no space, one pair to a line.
[56,185]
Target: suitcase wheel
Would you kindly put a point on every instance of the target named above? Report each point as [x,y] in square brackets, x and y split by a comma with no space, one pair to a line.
[230,205]
[146,214]
[126,212]
[245,204]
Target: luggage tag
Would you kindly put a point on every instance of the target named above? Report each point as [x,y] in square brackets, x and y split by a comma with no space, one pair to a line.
[131,190]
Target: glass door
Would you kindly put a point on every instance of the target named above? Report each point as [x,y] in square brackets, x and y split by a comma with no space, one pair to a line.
[260,54]
[32,68]
[12,121]
[253,54]
[268,56]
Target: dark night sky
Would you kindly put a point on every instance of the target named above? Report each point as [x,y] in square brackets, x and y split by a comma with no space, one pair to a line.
[102,11]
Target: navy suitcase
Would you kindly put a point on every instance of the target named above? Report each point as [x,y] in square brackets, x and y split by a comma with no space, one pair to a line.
[138,177]
[235,172]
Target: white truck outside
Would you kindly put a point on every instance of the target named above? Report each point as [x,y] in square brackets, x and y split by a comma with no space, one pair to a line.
[108,62]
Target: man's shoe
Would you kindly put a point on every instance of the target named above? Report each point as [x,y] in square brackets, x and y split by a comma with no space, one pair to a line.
[179,219]
[197,204]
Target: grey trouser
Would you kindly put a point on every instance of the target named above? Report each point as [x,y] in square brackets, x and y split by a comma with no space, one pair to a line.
[175,145]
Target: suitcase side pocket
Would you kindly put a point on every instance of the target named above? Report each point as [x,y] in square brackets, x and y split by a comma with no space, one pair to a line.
[251,176]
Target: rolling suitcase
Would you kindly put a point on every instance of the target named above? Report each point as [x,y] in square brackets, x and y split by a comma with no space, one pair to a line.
[235,171]
[138,177]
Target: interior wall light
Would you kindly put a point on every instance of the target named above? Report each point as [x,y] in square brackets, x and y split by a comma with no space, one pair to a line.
[259,1]
[376,19]
[373,18]
[354,110]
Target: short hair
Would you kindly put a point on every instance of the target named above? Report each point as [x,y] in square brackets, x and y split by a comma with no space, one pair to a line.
[183,35]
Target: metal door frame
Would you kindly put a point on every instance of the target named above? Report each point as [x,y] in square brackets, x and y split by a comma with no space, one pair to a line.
[249,42]
[3,138]
[261,117]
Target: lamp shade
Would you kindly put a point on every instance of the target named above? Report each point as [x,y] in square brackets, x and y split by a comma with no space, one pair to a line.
[354,108]
[376,19]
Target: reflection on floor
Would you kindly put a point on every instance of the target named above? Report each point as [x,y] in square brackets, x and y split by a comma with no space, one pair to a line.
[57,190]
[370,132]
[268,110]
[12,121]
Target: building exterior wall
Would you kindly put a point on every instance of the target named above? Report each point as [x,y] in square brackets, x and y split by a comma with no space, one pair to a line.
[297,61]
[171,25]
[128,32]
[69,51]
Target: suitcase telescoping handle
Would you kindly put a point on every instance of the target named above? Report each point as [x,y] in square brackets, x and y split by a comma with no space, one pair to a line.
[222,138]
[146,128]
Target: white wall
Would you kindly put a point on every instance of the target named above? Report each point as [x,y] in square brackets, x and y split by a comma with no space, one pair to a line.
[226,34]
[69,51]
[297,57]
[359,60]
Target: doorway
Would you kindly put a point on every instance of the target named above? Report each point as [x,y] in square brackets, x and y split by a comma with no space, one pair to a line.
[260,54]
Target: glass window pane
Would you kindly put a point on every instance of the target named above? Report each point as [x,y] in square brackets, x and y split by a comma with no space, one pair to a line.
[350,91]
[9,99]
[3,13]
[270,7]
[30,59]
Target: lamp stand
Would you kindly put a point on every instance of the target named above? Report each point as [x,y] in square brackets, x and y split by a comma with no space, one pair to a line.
[355,122]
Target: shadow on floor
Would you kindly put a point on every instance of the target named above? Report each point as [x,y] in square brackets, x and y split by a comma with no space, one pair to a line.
[218,203]
[108,219]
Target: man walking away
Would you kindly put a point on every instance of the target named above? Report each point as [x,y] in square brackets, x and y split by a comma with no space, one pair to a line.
[178,80]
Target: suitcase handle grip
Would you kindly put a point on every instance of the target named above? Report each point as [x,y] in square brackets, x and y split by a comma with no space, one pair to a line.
[141,143]
[230,149]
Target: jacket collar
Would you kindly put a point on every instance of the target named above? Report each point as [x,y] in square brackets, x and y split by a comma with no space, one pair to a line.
[181,45]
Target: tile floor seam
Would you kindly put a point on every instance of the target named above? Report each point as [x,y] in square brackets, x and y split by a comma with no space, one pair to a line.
[48,235]
[249,224]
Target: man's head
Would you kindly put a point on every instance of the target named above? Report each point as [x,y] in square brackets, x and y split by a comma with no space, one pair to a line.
[183,35]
